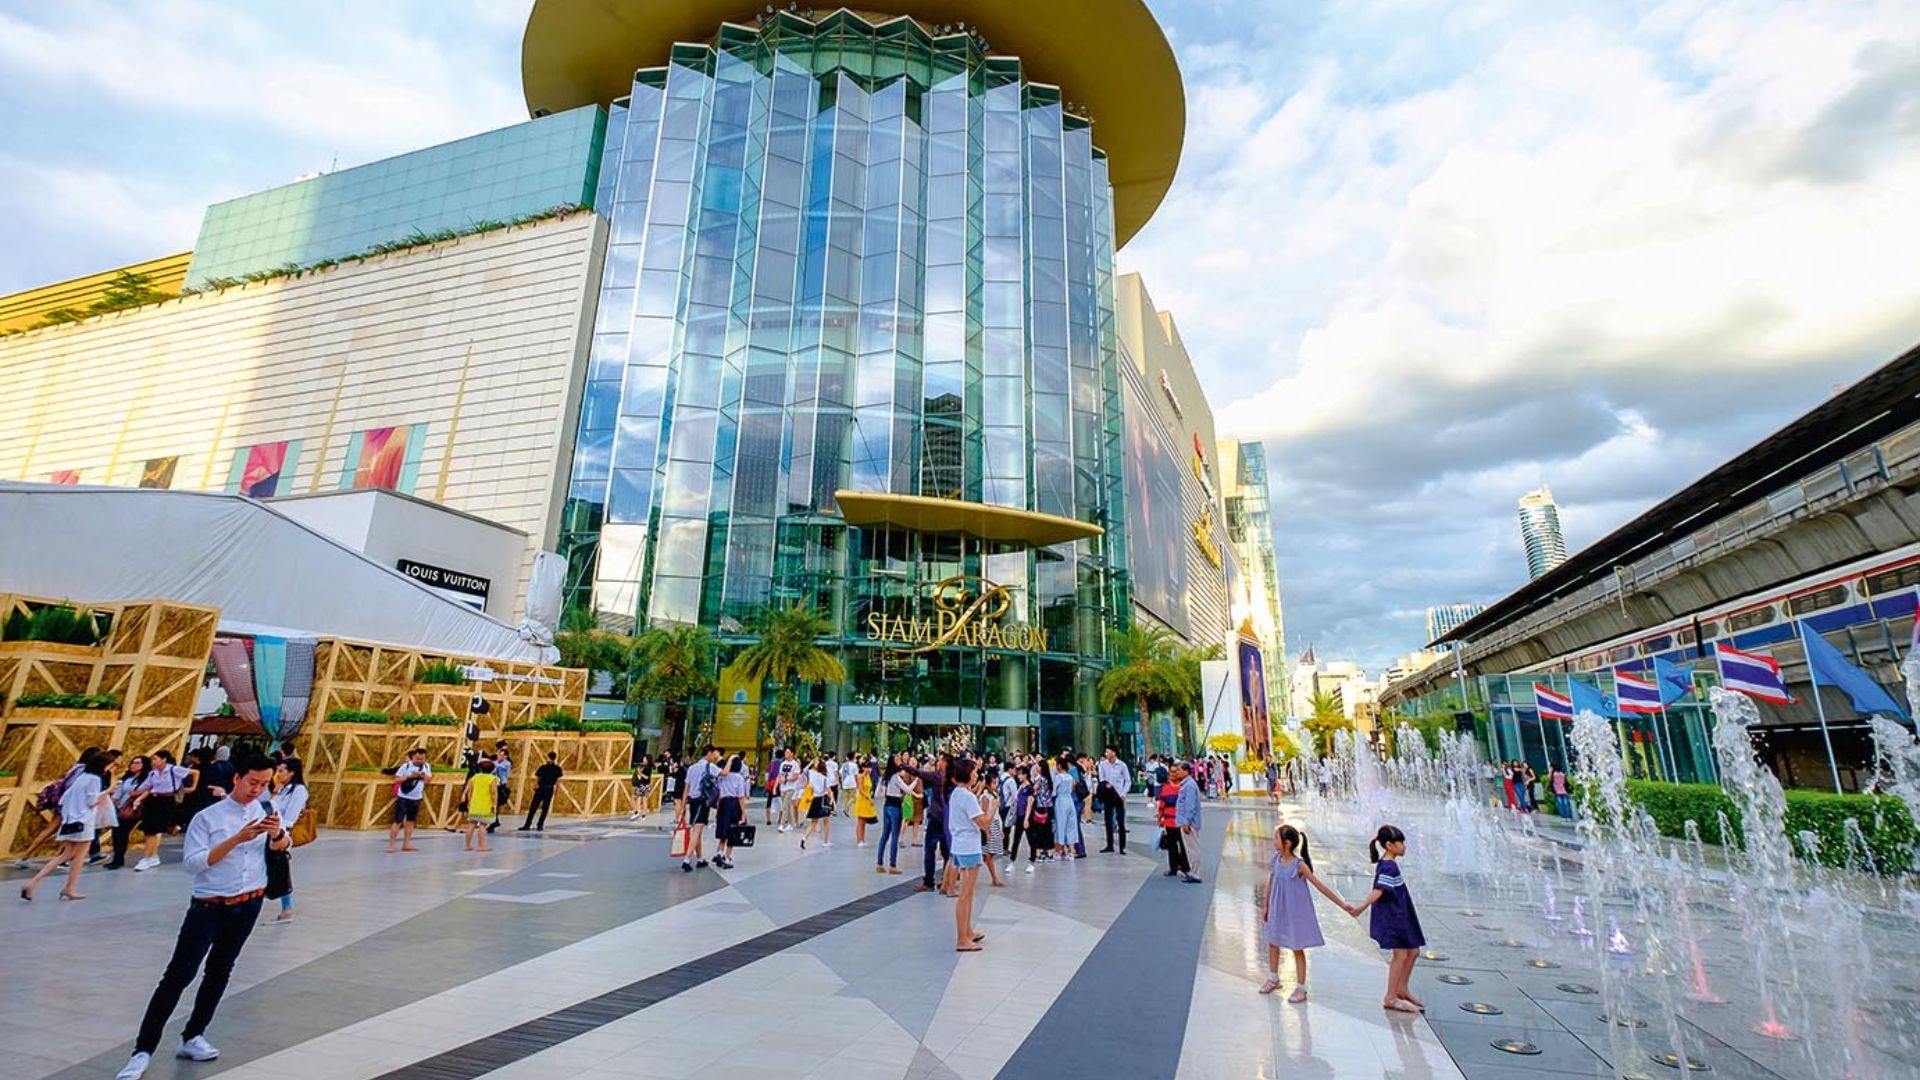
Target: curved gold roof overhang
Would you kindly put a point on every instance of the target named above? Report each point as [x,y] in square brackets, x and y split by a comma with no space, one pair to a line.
[1108,55]
[1002,524]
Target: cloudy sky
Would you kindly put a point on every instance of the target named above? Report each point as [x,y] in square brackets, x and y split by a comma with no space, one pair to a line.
[1434,252]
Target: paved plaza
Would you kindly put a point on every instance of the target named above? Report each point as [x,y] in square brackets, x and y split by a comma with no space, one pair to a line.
[587,952]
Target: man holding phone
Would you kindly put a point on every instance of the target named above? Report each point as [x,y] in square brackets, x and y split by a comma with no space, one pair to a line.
[226,851]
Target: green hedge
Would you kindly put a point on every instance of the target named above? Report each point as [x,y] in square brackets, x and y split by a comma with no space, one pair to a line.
[561,720]
[67,701]
[427,720]
[1884,821]
[440,673]
[356,716]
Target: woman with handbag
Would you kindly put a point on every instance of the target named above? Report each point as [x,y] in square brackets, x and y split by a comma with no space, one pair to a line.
[1040,816]
[734,786]
[289,795]
[162,803]
[81,803]
[126,804]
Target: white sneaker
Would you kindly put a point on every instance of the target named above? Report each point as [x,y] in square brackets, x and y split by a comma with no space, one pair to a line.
[147,863]
[826,843]
[136,1067]
[197,1049]
[1029,868]
[861,844]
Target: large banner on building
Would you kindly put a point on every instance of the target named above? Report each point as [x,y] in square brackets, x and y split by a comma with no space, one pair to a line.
[1157,534]
[1255,725]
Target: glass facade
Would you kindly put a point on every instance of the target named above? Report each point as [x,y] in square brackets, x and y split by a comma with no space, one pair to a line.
[496,176]
[848,256]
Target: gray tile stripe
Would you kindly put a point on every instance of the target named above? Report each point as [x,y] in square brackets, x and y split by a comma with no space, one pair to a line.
[1151,951]
[503,1048]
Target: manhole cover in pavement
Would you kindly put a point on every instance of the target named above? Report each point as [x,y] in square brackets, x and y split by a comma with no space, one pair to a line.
[1673,1061]
[1623,1021]
[1455,980]
[1515,1046]
[1481,1008]
[1576,988]
[1542,964]
[1437,957]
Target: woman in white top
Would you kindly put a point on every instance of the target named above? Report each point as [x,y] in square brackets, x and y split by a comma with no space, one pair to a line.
[819,806]
[81,805]
[289,797]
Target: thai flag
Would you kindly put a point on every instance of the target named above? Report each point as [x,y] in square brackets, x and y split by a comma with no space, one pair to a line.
[1552,706]
[1635,695]
[1753,675]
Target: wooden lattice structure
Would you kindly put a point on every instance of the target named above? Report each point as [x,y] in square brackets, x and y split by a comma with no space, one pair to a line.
[154,658]
[344,759]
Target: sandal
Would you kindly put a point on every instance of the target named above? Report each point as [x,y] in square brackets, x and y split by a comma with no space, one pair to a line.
[1299,995]
[967,948]
[979,937]
[1269,986]
[1399,1005]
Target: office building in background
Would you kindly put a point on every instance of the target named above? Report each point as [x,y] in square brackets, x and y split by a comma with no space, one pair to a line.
[1540,532]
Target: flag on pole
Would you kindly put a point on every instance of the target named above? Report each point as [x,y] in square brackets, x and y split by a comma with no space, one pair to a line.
[1550,705]
[1636,695]
[1590,699]
[1676,682]
[1752,674]
[1831,668]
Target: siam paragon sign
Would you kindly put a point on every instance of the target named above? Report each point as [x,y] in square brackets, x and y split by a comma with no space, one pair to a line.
[969,611]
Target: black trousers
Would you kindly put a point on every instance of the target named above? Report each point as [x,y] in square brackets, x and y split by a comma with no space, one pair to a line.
[541,802]
[937,841]
[122,836]
[1176,846]
[211,932]
[1113,809]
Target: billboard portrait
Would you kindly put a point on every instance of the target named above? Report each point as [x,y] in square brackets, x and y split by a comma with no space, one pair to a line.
[384,457]
[1255,725]
[264,470]
[1156,532]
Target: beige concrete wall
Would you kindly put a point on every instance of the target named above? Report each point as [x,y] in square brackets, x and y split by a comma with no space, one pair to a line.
[483,339]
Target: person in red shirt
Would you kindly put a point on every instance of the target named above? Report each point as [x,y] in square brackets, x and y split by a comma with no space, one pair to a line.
[1170,838]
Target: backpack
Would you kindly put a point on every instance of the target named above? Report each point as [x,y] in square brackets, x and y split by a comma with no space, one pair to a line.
[49,797]
[709,786]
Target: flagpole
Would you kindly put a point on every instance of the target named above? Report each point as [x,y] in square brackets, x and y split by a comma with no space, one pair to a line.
[1666,737]
[1819,709]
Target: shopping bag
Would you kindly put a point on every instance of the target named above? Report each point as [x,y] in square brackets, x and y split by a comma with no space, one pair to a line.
[743,835]
[682,842]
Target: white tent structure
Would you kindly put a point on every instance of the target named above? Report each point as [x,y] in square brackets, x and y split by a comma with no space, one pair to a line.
[265,572]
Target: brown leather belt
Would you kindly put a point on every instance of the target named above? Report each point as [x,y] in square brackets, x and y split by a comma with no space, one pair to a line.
[230,901]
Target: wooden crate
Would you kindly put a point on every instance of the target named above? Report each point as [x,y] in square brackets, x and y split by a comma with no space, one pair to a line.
[155,658]
[380,678]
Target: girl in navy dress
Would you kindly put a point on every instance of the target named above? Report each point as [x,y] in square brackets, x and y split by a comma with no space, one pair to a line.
[1395,926]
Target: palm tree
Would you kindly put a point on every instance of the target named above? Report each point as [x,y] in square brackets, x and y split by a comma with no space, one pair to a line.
[1146,673]
[788,653]
[1326,719]
[673,664]
[583,644]
[1183,667]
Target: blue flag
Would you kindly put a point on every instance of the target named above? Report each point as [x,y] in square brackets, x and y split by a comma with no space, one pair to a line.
[1676,682]
[1832,669]
[1589,699]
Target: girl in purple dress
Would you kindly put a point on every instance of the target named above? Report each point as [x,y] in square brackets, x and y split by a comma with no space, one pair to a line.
[1395,926]
[1287,909]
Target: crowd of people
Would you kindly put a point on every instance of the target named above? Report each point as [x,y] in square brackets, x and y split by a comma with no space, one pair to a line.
[241,812]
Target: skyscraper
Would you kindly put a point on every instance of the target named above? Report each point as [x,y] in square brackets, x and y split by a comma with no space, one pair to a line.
[1250,530]
[1540,531]
[1443,619]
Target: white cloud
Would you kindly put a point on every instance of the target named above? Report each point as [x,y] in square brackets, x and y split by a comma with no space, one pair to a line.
[352,75]
[1604,249]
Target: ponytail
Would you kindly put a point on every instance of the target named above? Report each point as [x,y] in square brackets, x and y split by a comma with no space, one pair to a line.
[1387,835]
[1297,841]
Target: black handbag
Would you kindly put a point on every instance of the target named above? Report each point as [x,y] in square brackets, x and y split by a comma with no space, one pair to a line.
[743,835]
[279,874]
[72,828]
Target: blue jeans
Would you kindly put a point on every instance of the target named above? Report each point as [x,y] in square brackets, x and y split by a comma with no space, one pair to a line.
[889,853]
[1564,804]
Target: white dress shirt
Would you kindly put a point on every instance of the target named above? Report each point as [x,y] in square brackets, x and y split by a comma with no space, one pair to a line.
[288,802]
[1116,774]
[245,867]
